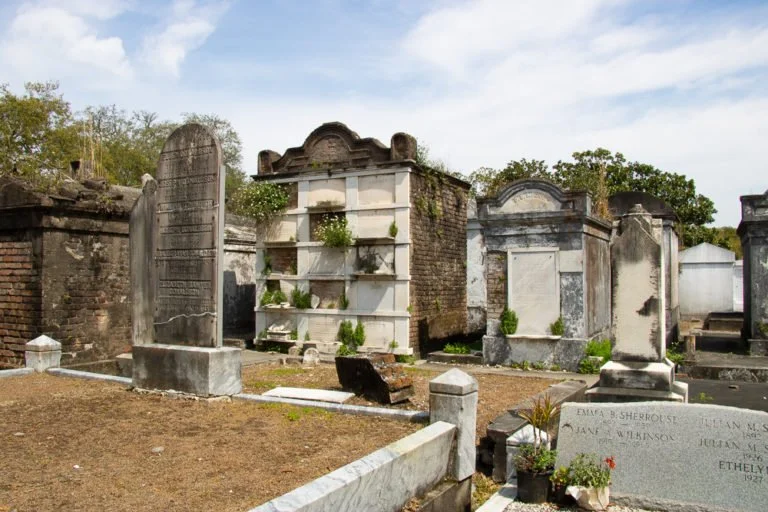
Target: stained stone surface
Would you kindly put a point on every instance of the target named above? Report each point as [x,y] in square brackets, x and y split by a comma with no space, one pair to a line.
[198,370]
[753,231]
[320,395]
[380,482]
[708,455]
[311,357]
[188,239]
[534,284]
[141,241]
[637,290]
[453,399]
[376,376]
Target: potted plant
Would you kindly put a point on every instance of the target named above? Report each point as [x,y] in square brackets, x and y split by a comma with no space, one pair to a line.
[589,480]
[535,462]
[560,480]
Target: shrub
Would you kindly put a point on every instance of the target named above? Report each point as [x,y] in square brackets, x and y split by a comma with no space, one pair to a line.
[359,336]
[346,334]
[393,230]
[343,301]
[300,299]
[589,366]
[539,365]
[586,471]
[266,298]
[278,297]
[456,348]
[344,351]
[508,322]
[557,328]
[333,232]
[405,359]
[258,200]
[675,356]
[599,348]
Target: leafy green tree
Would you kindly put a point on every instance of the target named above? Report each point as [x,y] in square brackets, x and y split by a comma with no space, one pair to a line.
[487,182]
[37,139]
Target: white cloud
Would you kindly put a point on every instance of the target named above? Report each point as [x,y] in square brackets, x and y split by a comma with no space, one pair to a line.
[189,26]
[45,41]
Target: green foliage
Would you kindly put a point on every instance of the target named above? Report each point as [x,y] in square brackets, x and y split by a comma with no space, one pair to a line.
[525,366]
[586,471]
[294,335]
[393,229]
[258,200]
[300,299]
[262,334]
[603,173]
[539,365]
[37,135]
[703,398]
[589,366]
[555,368]
[456,348]
[533,459]
[333,231]
[344,351]
[267,265]
[343,301]
[306,336]
[346,333]
[359,334]
[600,348]
[675,356]
[405,359]
[266,298]
[557,328]
[508,322]
[273,297]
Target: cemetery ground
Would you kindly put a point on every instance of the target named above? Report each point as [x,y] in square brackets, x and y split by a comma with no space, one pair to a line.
[71,444]
[497,392]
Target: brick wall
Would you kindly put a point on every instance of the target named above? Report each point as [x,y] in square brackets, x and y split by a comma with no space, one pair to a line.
[438,286]
[283,260]
[19,295]
[497,284]
[86,293]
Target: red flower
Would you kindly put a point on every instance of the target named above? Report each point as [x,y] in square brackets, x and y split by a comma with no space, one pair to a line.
[611,463]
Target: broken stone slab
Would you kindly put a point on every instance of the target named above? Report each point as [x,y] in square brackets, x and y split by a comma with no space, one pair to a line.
[320,395]
[376,376]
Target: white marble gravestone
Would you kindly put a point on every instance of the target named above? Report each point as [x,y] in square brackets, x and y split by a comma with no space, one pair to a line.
[673,456]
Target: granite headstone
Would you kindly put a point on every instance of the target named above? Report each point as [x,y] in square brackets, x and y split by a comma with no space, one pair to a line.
[668,454]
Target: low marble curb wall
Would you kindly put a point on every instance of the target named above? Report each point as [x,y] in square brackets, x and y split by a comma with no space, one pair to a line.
[565,352]
[380,482]
[16,372]
[64,372]
[501,500]
[359,410]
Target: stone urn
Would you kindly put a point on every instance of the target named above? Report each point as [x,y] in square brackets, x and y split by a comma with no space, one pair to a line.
[590,498]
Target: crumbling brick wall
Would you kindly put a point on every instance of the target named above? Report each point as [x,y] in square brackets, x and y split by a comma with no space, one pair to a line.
[438,287]
[20,296]
[86,290]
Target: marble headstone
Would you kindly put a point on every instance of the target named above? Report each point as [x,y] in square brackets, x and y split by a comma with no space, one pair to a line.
[670,454]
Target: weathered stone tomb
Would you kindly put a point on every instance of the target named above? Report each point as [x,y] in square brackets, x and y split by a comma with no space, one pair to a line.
[753,231]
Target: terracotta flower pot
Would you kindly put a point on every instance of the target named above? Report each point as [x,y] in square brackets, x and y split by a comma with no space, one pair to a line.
[590,498]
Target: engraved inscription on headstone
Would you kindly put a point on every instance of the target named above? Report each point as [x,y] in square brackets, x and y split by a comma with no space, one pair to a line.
[704,454]
[188,248]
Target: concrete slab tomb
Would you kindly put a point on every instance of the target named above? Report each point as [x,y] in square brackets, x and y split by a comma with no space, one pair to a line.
[546,259]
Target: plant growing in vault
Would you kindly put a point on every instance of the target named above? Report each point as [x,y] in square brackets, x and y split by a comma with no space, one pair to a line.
[393,229]
[267,265]
[306,336]
[333,231]
[300,299]
[343,300]
[508,322]
[557,328]
[259,200]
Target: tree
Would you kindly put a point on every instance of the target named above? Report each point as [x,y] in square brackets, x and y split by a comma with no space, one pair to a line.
[37,139]
[603,173]
[488,182]
[231,147]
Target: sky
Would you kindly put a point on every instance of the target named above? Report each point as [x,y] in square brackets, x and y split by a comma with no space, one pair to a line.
[680,84]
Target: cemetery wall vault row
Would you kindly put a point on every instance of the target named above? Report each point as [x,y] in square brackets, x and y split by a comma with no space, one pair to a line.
[403,276]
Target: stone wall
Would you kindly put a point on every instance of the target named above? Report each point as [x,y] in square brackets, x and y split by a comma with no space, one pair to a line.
[438,288]
[19,295]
